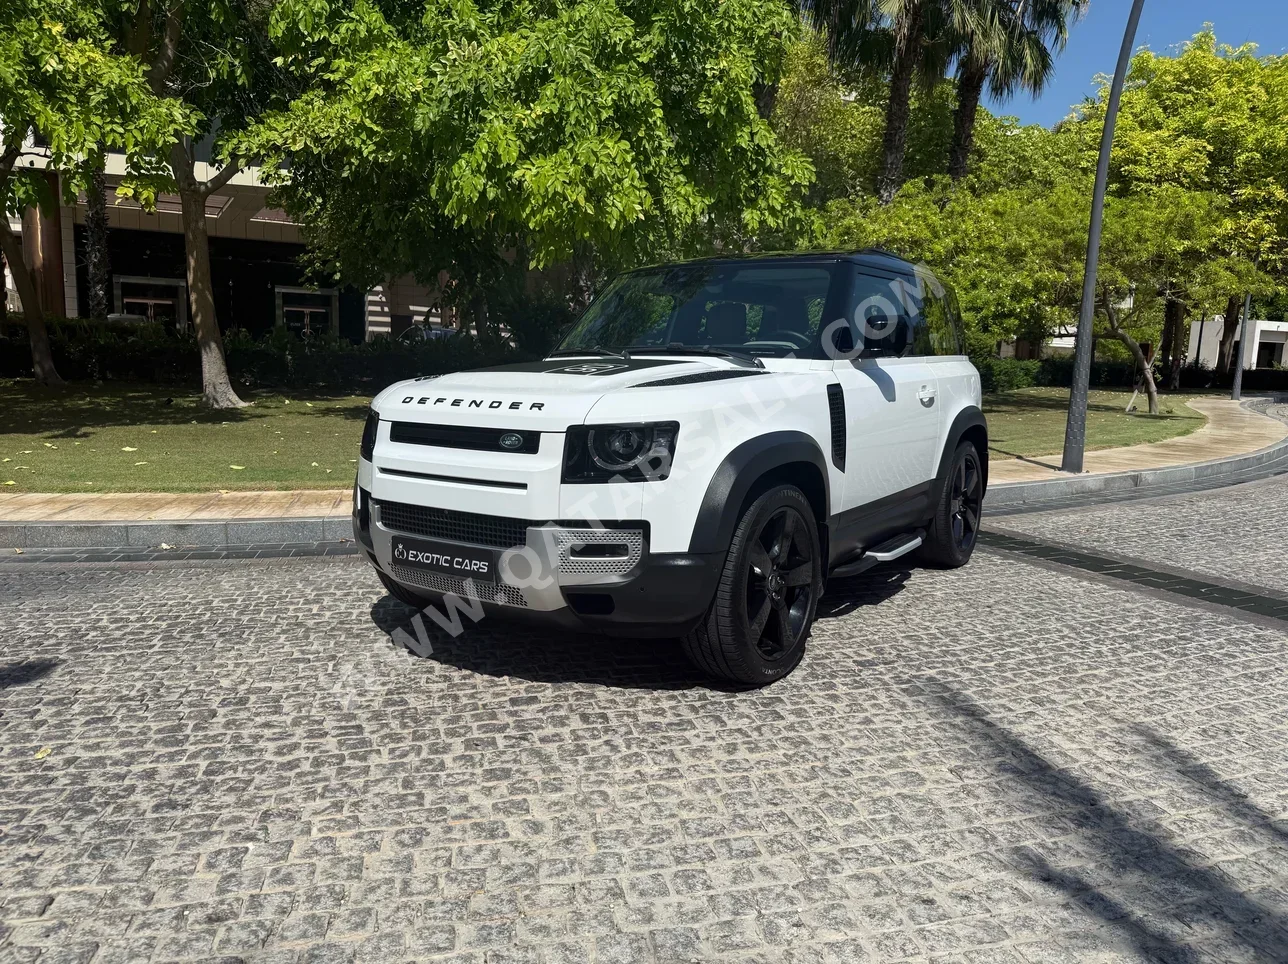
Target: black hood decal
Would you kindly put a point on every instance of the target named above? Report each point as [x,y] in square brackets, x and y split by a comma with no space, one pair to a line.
[586,366]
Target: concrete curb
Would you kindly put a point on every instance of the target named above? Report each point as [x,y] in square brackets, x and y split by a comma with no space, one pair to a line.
[214,532]
[1005,495]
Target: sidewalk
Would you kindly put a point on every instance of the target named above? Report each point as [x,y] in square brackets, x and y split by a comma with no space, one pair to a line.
[1231,429]
[1235,438]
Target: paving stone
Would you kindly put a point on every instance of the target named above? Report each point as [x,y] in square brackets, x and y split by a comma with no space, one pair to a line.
[1004,763]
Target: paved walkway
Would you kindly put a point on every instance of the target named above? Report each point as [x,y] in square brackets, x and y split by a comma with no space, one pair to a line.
[1231,429]
[1020,761]
[190,507]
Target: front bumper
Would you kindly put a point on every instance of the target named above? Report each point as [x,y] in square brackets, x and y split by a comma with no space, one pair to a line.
[544,580]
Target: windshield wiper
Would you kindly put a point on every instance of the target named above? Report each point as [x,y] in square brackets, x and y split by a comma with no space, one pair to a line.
[678,348]
[596,350]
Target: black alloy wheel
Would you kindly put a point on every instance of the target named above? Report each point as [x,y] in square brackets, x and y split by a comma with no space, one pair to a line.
[780,584]
[966,501]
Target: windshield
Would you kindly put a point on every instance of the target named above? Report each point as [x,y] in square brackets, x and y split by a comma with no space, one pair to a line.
[753,308]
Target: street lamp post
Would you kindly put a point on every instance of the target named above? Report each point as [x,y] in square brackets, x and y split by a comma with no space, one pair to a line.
[1075,435]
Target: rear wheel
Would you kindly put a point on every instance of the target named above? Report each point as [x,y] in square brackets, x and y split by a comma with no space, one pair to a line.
[404,595]
[755,631]
[953,531]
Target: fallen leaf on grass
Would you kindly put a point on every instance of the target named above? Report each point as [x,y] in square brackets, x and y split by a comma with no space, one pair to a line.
[237,467]
[25,452]
[128,448]
[43,752]
[6,460]
[18,551]
[140,463]
[165,545]
[309,404]
[314,464]
[11,482]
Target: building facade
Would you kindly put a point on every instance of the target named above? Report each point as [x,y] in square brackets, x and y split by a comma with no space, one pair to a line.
[255,263]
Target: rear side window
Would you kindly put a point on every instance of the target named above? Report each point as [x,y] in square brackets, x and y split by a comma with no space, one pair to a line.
[932,311]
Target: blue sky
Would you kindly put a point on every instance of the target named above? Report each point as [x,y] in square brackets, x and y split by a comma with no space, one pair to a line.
[1094,42]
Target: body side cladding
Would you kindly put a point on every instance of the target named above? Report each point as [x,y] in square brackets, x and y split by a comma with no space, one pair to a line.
[873,522]
[969,423]
[741,469]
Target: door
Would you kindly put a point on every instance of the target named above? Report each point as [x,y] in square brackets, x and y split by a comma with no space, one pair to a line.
[892,414]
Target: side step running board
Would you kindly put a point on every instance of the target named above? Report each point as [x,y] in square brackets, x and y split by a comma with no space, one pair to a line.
[887,551]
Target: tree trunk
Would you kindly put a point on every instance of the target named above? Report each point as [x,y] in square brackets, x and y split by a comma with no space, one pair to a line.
[4,291]
[970,89]
[1174,320]
[1143,363]
[895,142]
[97,262]
[766,97]
[1229,328]
[216,389]
[42,357]
[1169,333]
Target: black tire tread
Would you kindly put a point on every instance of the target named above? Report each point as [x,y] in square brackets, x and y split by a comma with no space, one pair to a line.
[938,549]
[711,648]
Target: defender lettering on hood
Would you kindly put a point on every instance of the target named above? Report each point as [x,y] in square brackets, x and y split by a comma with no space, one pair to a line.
[473,403]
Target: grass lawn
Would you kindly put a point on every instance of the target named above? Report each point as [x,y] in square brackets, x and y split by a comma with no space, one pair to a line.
[115,438]
[1030,422]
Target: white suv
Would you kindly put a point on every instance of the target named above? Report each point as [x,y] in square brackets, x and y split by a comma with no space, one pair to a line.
[711,441]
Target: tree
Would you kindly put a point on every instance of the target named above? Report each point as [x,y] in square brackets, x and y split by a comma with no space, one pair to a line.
[839,123]
[902,40]
[59,79]
[1214,118]
[212,60]
[450,137]
[1009,46]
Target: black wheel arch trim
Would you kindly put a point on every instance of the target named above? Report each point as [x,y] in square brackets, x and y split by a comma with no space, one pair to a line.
[741,469]
[968,418]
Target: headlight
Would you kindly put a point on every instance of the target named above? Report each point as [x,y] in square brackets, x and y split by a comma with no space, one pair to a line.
[620,453]
[369,436]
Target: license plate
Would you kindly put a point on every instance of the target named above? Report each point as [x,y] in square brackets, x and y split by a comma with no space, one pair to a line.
[449,558]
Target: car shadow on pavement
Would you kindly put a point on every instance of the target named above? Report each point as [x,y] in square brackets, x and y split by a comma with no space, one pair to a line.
[844,596]
[1153,879]
[25,671]
[495,647]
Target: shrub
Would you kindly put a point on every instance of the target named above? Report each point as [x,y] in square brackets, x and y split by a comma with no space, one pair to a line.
[95,350]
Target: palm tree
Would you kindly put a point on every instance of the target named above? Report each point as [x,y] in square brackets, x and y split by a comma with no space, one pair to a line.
[1010,45]
[902,39]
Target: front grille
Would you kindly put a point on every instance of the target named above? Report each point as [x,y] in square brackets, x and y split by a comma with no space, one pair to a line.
[497,531]
[441,582]
[465,437]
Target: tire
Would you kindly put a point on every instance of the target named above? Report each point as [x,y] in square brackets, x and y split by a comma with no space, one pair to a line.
[950,539]
[404,595]
[755,631]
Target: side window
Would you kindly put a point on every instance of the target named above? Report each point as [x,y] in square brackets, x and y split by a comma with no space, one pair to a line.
[936,327]
[879,316]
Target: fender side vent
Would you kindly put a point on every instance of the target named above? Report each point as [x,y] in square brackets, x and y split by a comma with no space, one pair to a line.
[836,405]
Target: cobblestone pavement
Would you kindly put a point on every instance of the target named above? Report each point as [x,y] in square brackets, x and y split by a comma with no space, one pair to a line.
[1236,533]
[232,761]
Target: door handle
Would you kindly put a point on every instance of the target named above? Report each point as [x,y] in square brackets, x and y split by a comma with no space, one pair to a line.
[927,396]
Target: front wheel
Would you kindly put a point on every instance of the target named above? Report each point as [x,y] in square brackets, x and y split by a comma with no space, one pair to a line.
[755,631]
[950,540]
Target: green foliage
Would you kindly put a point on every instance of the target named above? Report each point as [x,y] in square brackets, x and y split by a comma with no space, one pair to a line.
[435,137]
[838,123]
[60,78]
